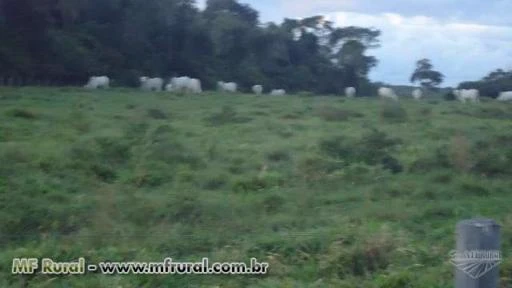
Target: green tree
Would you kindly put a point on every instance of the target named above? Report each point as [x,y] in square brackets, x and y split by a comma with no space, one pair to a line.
[425,74]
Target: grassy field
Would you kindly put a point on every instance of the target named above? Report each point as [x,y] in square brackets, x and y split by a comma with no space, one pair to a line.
[331,192]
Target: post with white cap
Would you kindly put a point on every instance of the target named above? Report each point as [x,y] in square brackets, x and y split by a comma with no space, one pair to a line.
[478,254]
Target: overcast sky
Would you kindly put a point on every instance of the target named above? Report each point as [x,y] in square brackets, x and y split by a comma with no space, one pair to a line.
[465,39]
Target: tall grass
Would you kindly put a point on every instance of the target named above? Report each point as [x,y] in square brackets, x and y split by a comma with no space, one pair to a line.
[357,193]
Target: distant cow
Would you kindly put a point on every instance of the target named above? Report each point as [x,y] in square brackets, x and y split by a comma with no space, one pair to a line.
[151,84]
[388,93]
[96,82]
[278,92]
[227,86]
[184,84]
[350,92]
[465,95]
[417,94]
[257,89]
[505,96]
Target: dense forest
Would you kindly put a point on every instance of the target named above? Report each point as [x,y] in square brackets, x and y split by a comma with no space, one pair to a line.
[68,40]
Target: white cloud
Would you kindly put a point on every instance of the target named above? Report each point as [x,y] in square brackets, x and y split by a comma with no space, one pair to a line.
[201,4]
[461,51]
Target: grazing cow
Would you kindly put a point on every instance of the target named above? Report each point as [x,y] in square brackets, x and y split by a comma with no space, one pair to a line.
[417,94]
[388,93]
[350,92]
[227,86]
[96,82]
[151,84]
[505,96]
[278,92]
[257,89]
[184,84]
[465,95]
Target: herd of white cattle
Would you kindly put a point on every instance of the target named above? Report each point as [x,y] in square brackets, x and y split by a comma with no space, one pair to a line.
[182,84]
[186,84]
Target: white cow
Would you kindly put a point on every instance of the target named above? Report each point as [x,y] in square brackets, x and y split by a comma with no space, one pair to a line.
[350,92]
[194,86]
[417,94]
[184,84]
[505,96]
[465,95]
[388,93]
[178,84]
[227,86]
[278,92]
[151,84]
[96,82]
[257,89]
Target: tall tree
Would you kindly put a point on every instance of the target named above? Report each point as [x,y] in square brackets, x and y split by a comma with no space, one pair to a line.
[426,75]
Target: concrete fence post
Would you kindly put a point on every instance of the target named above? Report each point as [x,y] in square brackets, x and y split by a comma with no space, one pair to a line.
[477,255]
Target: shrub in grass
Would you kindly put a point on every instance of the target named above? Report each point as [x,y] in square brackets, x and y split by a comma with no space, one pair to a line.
[357,260]
[471,186]
[372,149]
[393,113]
[156,113]
[493,157]
[439,160]
[22,113]
[278,156]
[153,174]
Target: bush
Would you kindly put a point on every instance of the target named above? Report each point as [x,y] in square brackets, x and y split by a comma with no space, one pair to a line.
[22,113]
[100,157]
[273,203]
[157,114]
[440,159]
[474,188]
[358,260]
[493,157]
[278,156]
[371,149]
[393,112]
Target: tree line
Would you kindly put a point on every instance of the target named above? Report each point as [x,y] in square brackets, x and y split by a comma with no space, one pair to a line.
[491,85]
[70,40]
